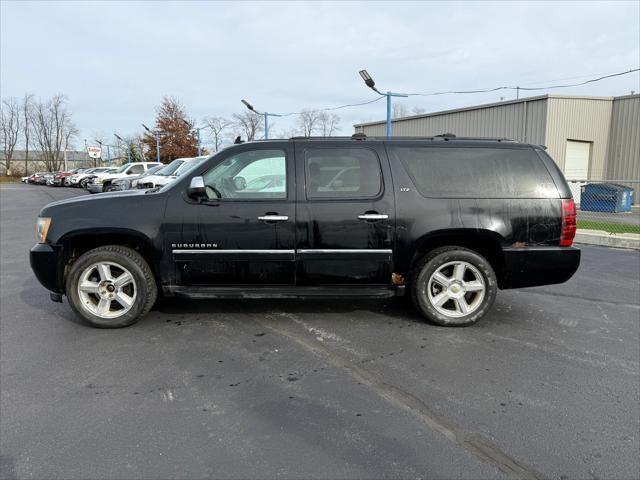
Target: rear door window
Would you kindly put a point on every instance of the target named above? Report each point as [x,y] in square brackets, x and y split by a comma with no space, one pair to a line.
[476,172]
[342,173]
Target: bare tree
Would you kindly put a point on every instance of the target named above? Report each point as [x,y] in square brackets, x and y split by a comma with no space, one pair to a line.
[329,124]
[52,130]
[10,126]
[27,101]
[308,122]
[218,126]
[399,110]
[248,123]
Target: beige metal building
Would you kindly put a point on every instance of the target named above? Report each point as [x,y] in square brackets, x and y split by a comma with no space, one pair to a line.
[594,138]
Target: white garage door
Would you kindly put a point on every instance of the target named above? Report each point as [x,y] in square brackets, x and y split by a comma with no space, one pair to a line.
[576,164]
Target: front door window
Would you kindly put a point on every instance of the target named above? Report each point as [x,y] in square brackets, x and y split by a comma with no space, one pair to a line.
[253,175]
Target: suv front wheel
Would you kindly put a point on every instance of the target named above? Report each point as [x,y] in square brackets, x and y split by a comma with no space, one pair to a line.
[111,286]
[453,286]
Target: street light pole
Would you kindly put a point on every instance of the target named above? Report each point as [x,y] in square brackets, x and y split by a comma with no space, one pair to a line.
[266,125]
[372,85]
[264,114]
[197,130]
[128,147]
[157,134]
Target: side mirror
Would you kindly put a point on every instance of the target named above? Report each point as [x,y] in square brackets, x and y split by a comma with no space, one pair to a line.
[196,188]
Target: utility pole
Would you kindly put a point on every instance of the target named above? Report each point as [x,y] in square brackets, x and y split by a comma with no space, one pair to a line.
[372,85]
[264,114]
[157,133]
[197,130]
[128,147]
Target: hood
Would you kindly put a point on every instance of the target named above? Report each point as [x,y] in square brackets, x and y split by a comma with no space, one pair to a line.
[93,200]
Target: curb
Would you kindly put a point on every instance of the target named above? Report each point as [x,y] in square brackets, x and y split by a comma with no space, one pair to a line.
[605,239]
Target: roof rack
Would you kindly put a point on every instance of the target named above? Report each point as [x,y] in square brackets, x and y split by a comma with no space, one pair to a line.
[442,137]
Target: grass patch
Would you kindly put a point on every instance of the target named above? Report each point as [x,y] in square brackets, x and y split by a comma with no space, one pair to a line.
[608,227]
[5,179]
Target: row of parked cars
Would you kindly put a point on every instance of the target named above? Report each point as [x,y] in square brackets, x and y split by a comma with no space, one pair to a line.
[106,179]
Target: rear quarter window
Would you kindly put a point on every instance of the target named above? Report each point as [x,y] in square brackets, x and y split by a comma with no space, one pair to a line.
[476,172]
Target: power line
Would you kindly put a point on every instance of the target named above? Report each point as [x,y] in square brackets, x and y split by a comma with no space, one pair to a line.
[548,87]
[482,90]
[581,83]
[377,99]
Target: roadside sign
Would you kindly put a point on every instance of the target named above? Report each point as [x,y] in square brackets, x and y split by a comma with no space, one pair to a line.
[94,152]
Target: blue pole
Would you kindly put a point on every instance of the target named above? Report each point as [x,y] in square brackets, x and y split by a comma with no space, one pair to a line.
[388,94]
[158,147]
[266,125]
[199,144]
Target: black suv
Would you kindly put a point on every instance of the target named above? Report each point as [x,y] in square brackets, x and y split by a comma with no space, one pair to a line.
[446,220]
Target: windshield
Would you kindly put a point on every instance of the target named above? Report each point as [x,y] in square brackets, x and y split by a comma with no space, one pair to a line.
[122,168]
[169,169]
[188,166]
[152,170]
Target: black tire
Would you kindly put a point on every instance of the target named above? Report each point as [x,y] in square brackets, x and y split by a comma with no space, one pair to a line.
[145,284]
[106,187]
[439,258]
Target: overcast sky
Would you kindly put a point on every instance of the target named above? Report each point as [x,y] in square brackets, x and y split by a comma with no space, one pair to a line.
[115,61]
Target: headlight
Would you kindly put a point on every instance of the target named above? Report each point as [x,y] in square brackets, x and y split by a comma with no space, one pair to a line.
[42,228]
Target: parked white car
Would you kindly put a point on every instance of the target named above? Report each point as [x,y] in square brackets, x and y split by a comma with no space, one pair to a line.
[169,173]
[102,182]
[74,180]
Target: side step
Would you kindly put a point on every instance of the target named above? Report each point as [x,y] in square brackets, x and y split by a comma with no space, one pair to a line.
[253,291]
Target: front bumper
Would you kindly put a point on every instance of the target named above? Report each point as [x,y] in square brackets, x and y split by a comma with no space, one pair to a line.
[118,187]
[535,266]
[46,263]
[94,187]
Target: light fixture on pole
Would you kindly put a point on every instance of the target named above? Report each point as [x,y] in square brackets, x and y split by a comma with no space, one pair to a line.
[264,114]
[157,134]
[197,130]
[372,85]
[128,147]
[108,150]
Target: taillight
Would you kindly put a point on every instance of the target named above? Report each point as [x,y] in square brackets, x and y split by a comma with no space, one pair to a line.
[568,222]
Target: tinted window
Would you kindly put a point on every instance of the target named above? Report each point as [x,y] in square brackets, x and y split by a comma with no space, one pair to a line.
[476,172]
[136,169]
[252,175]
[342,173]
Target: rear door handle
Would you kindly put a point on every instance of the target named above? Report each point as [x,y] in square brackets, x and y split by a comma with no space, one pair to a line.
[273,218]
[373,216]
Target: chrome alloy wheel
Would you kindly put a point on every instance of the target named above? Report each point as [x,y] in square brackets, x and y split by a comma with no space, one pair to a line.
[107,290]
[456,289]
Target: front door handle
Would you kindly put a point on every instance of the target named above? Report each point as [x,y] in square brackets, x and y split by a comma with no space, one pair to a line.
[273,218]
[373,216]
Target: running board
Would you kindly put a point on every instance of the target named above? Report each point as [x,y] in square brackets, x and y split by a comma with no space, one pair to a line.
[252,291]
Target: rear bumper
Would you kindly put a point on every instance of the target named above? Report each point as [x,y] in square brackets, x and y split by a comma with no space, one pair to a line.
[534,266]
[46,263]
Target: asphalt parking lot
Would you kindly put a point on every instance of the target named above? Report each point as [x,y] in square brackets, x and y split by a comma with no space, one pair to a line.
[545,386]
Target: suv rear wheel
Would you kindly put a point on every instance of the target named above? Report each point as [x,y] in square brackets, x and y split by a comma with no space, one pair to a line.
[111,287]
[453,286]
